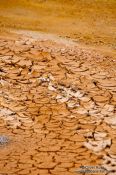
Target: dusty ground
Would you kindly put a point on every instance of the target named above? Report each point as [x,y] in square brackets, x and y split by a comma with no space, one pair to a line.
[91,22]
[57,106]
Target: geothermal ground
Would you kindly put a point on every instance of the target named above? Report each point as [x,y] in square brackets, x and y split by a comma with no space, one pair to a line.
[57,107]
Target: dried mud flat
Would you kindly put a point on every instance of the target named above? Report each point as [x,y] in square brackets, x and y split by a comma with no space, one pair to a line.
[57,108]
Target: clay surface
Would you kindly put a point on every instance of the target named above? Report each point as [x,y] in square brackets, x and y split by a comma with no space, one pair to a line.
[57,106]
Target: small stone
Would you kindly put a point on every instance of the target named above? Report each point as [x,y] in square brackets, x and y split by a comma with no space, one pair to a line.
[3,140]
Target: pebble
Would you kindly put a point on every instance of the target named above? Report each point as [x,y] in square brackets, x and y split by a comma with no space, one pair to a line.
[3,140]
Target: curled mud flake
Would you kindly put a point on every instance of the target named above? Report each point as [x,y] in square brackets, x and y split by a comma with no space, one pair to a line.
[108,83]
[109,108]
[100,99]
[10,118]
[93,111]
[78,94]
[72,104]
[71,93]
[90,105]
[111,121]
[89,135]
[4,140]
[97,146]
[85,99]
[62,99]
[81,110]
[44,79]
[3,82]
[113,156]
[109,164]
[51,87]
[71,117]
[99,135]
[13,124]
[5,111]
[96,135]
[51,77]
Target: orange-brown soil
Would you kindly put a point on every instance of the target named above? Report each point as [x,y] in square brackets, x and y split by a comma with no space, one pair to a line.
[57,107]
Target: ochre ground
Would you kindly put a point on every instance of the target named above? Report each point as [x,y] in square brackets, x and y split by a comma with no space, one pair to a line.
[57,106]
[91,22]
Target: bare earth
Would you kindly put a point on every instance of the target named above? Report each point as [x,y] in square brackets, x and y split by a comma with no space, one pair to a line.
[57,107]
